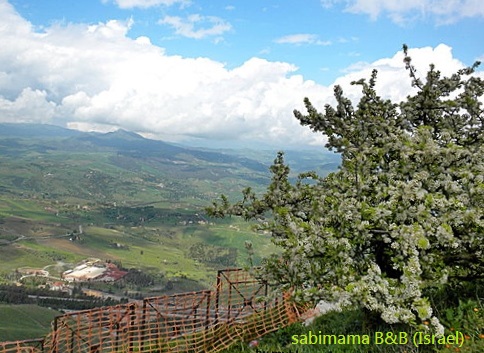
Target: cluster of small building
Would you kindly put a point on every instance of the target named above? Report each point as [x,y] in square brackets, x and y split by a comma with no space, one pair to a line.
[94,270]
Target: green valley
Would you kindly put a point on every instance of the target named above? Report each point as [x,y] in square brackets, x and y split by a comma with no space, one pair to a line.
[67,196]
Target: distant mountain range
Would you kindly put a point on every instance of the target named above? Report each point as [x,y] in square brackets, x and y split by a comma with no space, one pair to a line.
[121,141]
[35,131]
[62,164]
[43,137]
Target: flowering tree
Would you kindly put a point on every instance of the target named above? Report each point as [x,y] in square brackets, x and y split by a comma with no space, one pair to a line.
[404,212]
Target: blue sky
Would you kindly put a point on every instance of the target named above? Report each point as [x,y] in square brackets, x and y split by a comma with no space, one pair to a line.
[219,71]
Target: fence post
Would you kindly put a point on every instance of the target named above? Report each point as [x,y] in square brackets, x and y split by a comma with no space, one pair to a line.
[207,312]
[71,347]
[217,295]
[55,348]
[229,298]
[266,291]
[132,327]
[143,335]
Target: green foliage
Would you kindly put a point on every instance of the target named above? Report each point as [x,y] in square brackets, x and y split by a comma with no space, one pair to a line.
[138,278]
[404,213]
[213,255]
[467,317]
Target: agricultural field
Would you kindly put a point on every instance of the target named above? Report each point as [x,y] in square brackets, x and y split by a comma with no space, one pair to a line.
[67,196]
[25,321]
[165,246]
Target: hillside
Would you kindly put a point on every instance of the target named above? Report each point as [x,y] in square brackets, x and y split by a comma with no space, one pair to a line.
[25,321]
[55,163]
[67,195]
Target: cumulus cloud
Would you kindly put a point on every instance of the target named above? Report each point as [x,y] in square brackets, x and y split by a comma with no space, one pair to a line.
[302,38]
[28,101]
[443,11]
[393,80]
[96,77]
[186,27]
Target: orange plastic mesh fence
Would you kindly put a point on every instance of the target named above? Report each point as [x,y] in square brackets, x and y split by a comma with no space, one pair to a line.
[204,321]
[27,346]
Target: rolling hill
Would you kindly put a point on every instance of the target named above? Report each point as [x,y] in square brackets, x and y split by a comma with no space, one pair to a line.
[66,195]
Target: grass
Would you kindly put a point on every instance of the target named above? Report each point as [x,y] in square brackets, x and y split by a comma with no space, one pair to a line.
[14,257]
[157,248]
[467,317]
[21,322]
[235,235]
[25,209]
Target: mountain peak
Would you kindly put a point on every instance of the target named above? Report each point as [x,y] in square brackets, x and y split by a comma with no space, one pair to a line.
[124,134]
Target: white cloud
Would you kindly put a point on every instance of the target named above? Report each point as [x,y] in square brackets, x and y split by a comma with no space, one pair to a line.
[443,11]
[129,4]
[21,109]
[393,80]
[301,38]
[185,27]
[95,77]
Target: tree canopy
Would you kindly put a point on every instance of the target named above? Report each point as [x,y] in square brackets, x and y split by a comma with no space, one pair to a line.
[402,216]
